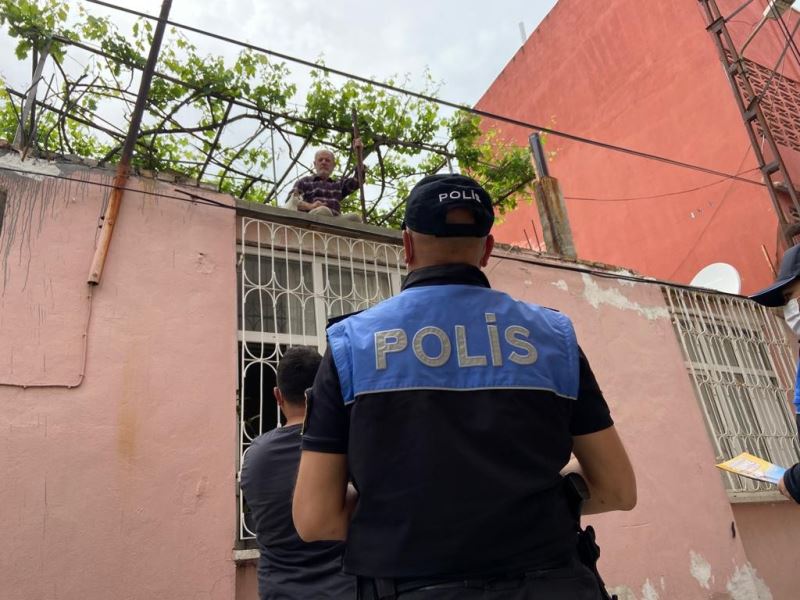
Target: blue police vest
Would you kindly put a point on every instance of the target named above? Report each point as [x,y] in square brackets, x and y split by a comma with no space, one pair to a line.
[417,341]
[797,391]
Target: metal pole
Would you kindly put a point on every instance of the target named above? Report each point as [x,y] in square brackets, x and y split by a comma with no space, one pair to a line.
[359,164]
[123,168]
[539,159]
[23,137]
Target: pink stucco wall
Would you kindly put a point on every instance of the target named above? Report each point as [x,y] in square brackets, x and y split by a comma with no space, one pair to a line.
[769,533]
[247,580]
[121,487]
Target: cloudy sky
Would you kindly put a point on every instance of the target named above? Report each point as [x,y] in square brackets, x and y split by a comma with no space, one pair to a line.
[464,43]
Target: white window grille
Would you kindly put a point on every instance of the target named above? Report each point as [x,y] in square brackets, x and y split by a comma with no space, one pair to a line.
[291,280]
[743,369]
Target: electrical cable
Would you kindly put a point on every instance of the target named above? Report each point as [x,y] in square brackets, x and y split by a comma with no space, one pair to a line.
[711,218]
[738,10]
[389,140]
[790,36]
[193,199]
[664,195]
[428,98]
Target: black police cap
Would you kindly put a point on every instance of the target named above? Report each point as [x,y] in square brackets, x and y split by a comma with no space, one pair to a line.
[435,195]
[789,271]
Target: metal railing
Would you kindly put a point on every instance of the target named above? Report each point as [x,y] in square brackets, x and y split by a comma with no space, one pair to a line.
[291,281]
[743,369]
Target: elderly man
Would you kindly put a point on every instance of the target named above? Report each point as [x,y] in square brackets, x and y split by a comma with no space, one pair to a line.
[321,194]
[454,408]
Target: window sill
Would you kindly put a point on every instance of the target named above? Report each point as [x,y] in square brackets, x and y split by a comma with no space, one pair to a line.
[770,496]
[245,556]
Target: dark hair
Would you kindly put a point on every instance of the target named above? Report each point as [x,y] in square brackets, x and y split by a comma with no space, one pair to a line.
[296,371]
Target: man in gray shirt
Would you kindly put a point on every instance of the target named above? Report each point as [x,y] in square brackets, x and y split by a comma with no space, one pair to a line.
[289,568]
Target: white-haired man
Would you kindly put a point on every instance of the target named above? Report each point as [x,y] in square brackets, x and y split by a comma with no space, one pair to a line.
[321,194]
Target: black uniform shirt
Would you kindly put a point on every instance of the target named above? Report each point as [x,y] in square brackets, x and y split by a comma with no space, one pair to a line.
[454,482]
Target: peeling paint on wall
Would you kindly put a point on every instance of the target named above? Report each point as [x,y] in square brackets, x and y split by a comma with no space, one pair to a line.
[623,592]
[745,584]
[700,570]
[648,591]
[596,296]
[204,264]
[33,168]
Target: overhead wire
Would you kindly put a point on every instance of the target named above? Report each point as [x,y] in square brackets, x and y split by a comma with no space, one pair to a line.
[711,218]
[251,106]
[662,195]
[724,176]
[787,34]
[192,198]
[428,98]
[478,112]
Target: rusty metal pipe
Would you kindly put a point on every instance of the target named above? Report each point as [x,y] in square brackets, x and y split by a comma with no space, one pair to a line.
[123,168]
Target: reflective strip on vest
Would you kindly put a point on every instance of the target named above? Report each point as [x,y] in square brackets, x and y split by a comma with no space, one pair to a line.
[455,337]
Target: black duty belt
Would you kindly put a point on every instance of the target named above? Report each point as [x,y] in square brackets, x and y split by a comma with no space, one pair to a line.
[389,589]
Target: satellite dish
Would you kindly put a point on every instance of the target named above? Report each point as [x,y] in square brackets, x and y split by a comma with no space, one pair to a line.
[719,276]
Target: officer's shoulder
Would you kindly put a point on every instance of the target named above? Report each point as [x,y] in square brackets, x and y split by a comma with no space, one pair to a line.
[340,318]
[548,312]
[538,306]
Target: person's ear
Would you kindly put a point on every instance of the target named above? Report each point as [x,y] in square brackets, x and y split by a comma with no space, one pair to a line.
[487,250]
[278,396]
[408,247]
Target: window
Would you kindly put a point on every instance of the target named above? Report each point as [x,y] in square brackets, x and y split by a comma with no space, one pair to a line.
[291,281]
[743,369]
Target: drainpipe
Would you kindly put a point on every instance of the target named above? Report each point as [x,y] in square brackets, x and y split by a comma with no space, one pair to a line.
[123,168]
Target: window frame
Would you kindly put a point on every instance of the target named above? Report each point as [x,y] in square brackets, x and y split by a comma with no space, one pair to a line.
[715,331]
[338,253]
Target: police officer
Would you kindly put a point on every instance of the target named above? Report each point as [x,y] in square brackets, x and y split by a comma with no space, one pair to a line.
[454,409]
[785,292]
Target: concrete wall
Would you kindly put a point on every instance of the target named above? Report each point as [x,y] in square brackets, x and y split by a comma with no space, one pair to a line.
[644,75]
[122,485]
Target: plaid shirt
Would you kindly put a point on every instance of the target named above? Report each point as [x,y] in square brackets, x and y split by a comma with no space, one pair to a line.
[329,191]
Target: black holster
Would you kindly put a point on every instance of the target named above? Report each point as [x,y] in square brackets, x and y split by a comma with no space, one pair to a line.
[577,492]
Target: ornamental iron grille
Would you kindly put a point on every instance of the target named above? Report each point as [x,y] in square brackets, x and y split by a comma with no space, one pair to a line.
[291,281]
[743,369]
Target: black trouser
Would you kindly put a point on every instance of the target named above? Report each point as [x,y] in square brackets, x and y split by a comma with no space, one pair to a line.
[574,582]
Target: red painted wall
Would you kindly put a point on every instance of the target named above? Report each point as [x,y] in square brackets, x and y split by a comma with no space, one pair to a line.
[644,75]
